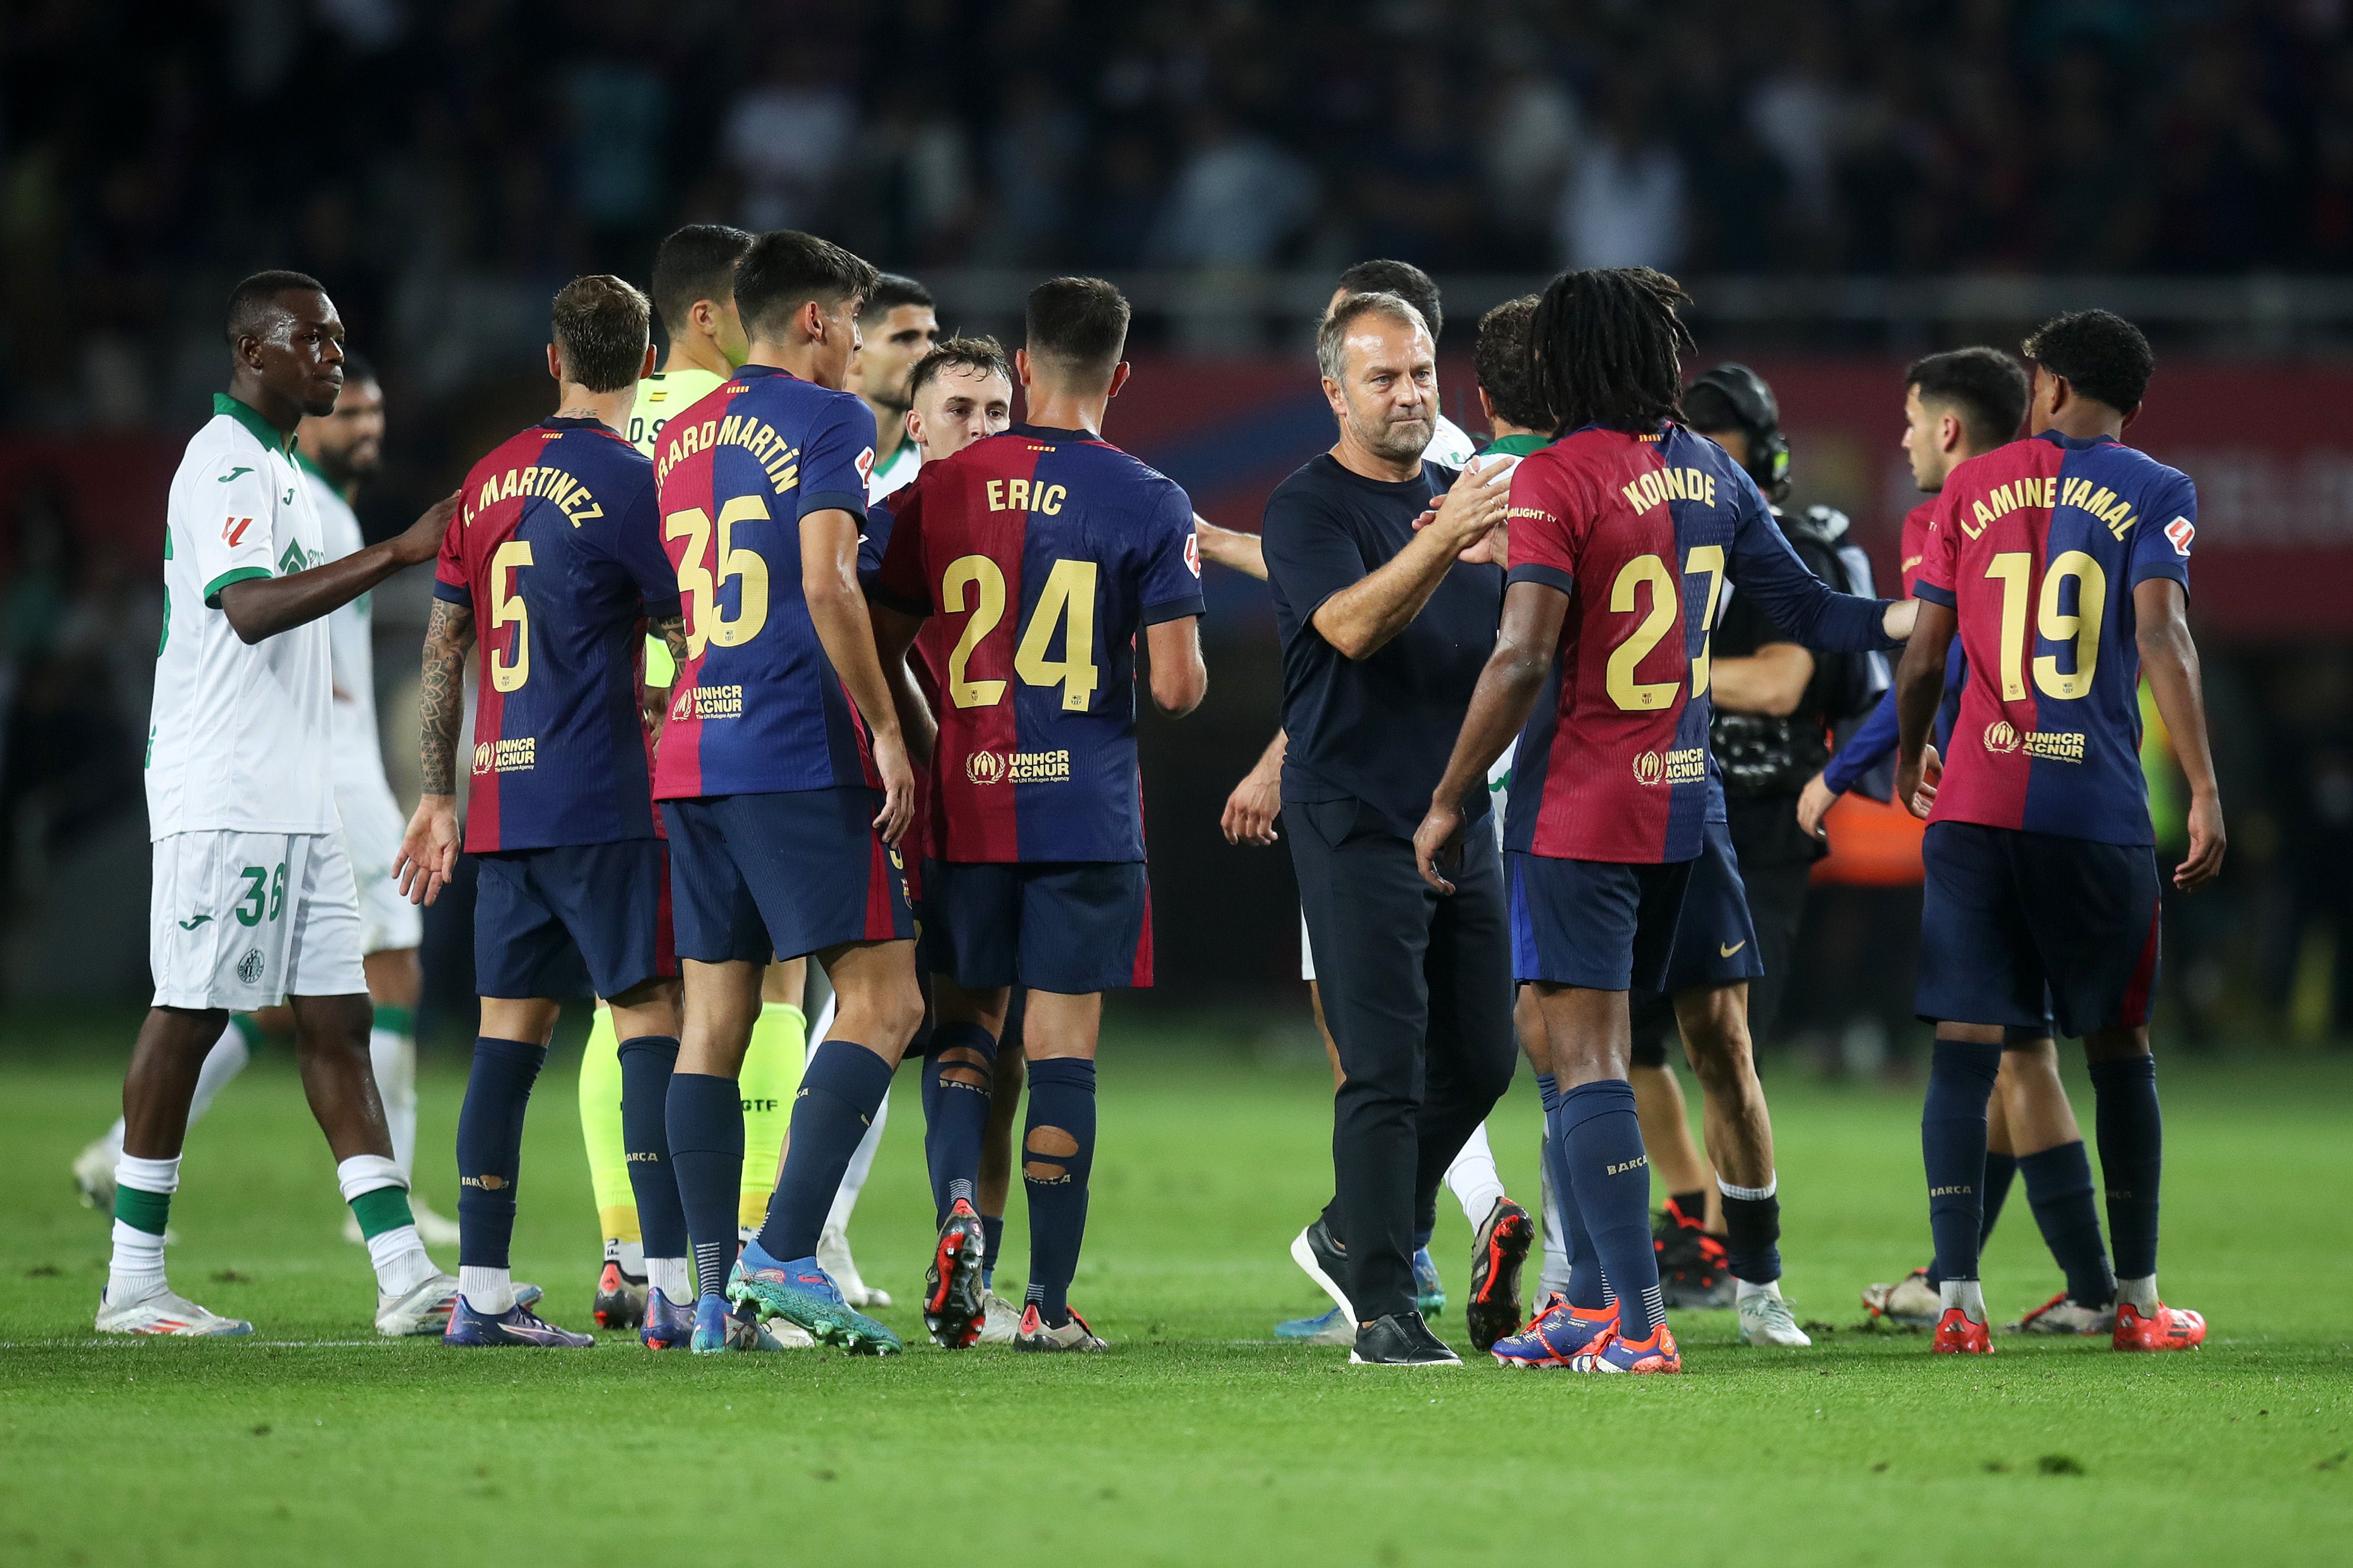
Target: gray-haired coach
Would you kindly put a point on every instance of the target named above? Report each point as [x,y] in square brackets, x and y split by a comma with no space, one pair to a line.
[1387,614]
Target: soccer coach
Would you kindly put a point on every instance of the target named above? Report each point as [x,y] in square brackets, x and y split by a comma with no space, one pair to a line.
[1389,585]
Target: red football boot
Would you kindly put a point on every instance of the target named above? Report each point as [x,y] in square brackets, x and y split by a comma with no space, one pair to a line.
[1956,1335]
[2168,1329]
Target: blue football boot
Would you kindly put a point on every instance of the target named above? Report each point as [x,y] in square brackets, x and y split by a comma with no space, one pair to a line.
[515,1326]
[802,1293]
[665,1325]
[1428,1290]
[1334,1328]
[1559,1334]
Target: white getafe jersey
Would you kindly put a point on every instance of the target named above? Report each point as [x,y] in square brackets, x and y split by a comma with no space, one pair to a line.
[1449,446]
[895,472]
[351,644]
[239,737]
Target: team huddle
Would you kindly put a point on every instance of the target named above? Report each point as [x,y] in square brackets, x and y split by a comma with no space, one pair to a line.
[802,650]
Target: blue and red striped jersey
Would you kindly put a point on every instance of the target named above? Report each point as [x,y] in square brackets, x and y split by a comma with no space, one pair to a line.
[2037,547]
[558,553]
[758,707]
[1044,551]
[1640,532]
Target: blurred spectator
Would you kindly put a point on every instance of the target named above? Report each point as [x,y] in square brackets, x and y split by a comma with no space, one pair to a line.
[1237,199]
[788,136]
[1623,203]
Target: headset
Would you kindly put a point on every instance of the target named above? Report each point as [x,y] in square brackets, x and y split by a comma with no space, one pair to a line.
[1758,415]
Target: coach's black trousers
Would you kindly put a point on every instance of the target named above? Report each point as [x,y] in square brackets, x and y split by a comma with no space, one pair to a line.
[1417,994]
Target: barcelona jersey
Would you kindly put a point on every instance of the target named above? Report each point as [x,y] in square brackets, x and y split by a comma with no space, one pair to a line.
[1041,553]
[1642,533]
[558,553]
[757,708]
[2037,547]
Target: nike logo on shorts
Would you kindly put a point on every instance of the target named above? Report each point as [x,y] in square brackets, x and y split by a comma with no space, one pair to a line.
[1722,952]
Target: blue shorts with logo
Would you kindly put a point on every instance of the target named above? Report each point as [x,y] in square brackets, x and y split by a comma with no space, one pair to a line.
[1073,927]
[1605,925]
[789,873]
[2019,928]
[1715,944]
[572,919]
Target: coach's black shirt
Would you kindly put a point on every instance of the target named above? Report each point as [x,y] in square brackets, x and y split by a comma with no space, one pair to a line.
[1378,729]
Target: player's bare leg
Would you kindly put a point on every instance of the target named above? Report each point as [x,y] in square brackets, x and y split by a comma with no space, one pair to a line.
[879,1007]
[1666,1133]
[1713,1020]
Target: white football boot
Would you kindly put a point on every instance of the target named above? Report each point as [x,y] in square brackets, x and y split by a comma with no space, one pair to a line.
[159,1311]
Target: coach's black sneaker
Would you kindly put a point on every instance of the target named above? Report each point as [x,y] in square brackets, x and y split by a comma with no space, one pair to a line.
[953,1306]
[1694,1272]
[1493,1310]
[1401,1339]
[1326,1261]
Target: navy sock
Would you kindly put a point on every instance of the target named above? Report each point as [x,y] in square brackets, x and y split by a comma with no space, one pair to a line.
[1057,1151]
[1422,1239]
[1587,1288]
[490,1148]
[842,1088]
[1612,1178]
[706,1121]
[992,1238]
[2059,1187]
[2132,1158]
[646,1064]
[2000,1170]
[1752,1238]
[1953,1149]
[956,1114]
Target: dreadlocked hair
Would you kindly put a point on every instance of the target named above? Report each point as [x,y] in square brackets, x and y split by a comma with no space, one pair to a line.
[1605,347]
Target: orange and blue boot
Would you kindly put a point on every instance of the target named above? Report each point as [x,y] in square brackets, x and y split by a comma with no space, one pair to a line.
[1559,1334]
[1615,1352]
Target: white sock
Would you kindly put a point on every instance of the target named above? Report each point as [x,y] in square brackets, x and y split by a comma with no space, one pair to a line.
[136,1268]
[1474,1180]
[113,1140]
[1743,1290]
[398,1254]
[862,1165]
[227,1059]
[1555,1277]
[670,1275]
[393,1057]
[1754,1195]
[487,1290]
[1967,1295]
[401,1261]
[2141,1294]
[632,1260]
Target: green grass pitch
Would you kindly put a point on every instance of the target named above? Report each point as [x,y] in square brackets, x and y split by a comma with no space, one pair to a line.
[1198,1439]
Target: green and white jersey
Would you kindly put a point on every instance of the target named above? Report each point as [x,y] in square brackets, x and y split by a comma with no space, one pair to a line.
[895,472]
[239,737]
[351,644]
[1449,447]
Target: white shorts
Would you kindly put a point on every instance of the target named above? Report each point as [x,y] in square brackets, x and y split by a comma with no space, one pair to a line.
[371,830]
[243,921]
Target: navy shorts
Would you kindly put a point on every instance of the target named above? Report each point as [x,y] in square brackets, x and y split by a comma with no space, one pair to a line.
[786,874]
[1601,925]
[2019,927]
[572,919]
[1715,944]
[1073,927]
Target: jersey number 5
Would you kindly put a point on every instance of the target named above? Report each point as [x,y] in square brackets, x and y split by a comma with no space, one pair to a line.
[698,587]
[1666,614]
[510,670]
[975,585]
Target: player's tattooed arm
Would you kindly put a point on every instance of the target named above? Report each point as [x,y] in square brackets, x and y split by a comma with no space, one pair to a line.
[428,850]
[654,700]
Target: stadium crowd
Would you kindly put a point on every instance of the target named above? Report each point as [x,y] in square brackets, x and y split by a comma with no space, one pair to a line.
[459,161]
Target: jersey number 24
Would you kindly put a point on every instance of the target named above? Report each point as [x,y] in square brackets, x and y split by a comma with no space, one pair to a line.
[975,586]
